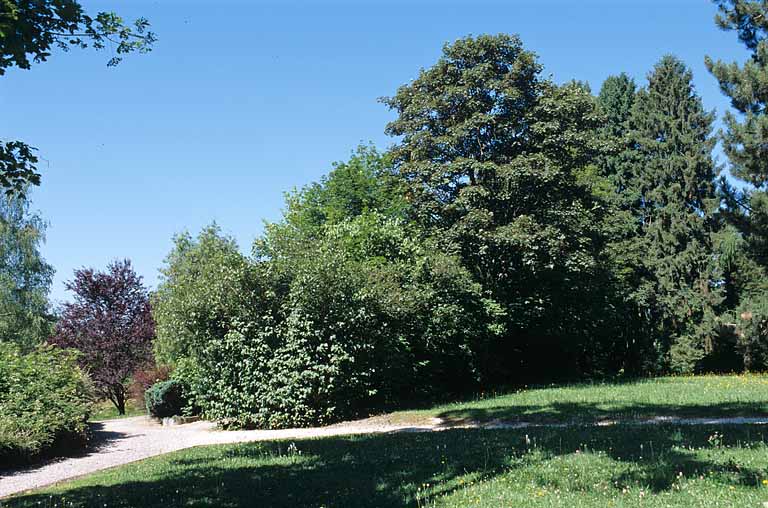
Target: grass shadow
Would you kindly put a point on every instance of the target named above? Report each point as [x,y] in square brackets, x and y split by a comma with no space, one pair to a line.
[577,412]
[403,469]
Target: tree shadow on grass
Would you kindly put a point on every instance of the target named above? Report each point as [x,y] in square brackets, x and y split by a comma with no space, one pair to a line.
[387,471]
[574,412]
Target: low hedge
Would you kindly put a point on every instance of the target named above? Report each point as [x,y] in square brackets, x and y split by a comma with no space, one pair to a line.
[45,401]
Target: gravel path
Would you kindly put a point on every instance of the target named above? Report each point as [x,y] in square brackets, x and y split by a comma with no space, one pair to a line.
[118,442]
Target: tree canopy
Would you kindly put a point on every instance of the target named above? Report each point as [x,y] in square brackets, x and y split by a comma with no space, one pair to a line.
[25,277]
[110,323]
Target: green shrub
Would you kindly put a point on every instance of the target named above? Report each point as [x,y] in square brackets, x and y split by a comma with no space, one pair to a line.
[363,318]
[165,398]
[45,401]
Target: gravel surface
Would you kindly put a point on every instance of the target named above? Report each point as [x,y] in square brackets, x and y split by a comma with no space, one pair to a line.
[121,441]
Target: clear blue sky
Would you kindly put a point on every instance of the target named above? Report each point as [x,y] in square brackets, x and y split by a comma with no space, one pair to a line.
[241,101]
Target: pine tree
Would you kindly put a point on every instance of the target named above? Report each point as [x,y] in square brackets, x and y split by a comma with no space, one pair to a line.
[745,142]
[675,180]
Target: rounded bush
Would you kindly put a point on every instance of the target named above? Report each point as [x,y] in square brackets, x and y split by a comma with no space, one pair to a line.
[165,398]
[45,400]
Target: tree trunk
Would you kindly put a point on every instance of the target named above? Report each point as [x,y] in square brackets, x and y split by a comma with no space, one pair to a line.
[118,399]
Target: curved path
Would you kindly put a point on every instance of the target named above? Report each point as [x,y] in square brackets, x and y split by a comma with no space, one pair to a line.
[118,442]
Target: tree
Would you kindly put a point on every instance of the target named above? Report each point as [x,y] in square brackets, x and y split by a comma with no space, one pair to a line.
[25,277]
[745,142]
[110,324]
[354,187]
[616,99]
[205,283]
[490,153]
[624,249]
[745,139]
[29,30]
[367,315]
[675,178]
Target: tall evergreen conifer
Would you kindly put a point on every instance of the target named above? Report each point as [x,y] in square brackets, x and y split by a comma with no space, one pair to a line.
[624,248]
[746,137]
[675,181]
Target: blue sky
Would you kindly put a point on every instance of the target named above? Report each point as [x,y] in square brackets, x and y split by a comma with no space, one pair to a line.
[242,101]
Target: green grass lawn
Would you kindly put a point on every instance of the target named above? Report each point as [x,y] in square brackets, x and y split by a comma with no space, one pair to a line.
[743,395]
[651,466]
[582,466]
[105,410]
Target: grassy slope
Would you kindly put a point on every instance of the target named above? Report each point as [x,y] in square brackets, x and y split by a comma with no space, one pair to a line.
[707,396]
[658,466]
[618,466]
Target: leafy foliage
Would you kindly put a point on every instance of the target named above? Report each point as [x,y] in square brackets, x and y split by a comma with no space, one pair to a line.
[374,317]
[30,29]
[25,277]
[345,309]
[517,231]
[215,324]
[491,154]
[18,167]
[110,324]
[44,402]
[366,317]
[144,377]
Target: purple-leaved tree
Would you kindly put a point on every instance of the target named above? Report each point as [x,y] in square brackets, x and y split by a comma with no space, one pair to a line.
[110,324]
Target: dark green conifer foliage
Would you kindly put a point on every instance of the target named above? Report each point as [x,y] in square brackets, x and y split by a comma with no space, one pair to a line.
[746,138]
[745,141]
[623,248]
[616,99]
[675,179]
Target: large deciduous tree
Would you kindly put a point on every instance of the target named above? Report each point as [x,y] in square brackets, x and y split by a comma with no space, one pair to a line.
[29,31]
[491,152]
[110,324]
